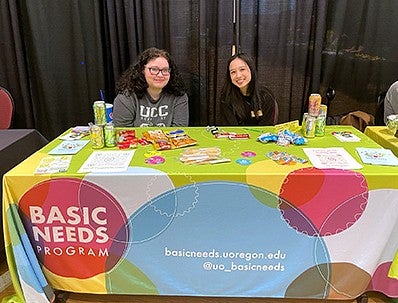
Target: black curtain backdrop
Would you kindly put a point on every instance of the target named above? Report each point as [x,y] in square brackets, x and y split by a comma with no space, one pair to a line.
[56,55]
[360,55]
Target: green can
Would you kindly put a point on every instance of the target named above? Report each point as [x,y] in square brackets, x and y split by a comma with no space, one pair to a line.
[97,136]
[309,126]
[320,124]
[99,109]
[110,135]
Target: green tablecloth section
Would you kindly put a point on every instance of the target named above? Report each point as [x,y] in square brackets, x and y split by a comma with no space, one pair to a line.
[257,230]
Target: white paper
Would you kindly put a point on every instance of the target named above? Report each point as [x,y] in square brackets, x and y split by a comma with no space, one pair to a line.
[335,157]
[53,164]
[107,161]
[346,137]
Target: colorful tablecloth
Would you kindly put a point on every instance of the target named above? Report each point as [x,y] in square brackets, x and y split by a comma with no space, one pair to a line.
[247,228]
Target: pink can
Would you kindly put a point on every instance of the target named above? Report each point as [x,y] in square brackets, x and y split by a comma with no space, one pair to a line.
[314,103]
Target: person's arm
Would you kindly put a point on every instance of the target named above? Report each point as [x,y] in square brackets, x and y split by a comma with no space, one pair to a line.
[181,111]
[391,101]
[124,111]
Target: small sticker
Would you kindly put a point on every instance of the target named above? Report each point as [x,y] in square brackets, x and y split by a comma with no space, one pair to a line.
[155,160]
[243,161]
[248,154]
[152,153]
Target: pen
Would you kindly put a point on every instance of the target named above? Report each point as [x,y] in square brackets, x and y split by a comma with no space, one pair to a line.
[253,129]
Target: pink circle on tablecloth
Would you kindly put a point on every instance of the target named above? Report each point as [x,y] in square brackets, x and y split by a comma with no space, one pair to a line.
[73,225]
[329,200]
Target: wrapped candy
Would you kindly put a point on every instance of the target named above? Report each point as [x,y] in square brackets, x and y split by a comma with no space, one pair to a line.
[284,138]
[267,137]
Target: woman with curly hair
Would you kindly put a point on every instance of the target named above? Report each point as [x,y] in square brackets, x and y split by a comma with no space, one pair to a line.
[151,93]
[242,101]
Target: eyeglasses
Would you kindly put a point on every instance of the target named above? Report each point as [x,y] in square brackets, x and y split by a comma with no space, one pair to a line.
[156,70]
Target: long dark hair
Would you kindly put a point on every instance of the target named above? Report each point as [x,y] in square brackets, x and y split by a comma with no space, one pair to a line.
[230,93]
[133,79]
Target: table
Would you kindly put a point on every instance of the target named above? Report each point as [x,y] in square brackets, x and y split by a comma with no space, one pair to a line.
[221,230]
[15,146]
[381,135]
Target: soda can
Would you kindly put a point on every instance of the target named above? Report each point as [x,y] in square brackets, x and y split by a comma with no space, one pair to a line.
[305,115]
[314,103]
[323,110]
[309,127]
[97,136]
[110,135]
[320,123]
[99,109]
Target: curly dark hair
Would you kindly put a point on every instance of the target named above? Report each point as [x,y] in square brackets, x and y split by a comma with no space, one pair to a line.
[133,79]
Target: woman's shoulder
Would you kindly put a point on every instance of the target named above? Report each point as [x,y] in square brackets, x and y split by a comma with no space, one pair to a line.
[126,96]
[394,86]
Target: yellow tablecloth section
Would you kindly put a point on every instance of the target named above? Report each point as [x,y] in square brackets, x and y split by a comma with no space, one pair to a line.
[250,227]
[381,135]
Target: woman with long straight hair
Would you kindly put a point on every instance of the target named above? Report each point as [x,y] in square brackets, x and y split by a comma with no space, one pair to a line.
[243,102]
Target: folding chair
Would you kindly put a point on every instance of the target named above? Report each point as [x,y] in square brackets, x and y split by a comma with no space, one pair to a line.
[6,108]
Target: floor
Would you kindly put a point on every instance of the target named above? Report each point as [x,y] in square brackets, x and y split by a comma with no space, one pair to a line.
[86,298]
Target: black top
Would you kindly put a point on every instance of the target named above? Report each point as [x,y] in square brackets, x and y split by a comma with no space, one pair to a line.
[229,118]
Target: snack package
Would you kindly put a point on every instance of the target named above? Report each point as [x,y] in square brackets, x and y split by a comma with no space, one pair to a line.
[127,139]
[171,140]
[238,136]
[158,139]
[180,139]
[200,155]
[218,134]
[284,158]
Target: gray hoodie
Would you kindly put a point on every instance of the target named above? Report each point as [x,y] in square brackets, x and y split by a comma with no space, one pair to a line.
[169,110]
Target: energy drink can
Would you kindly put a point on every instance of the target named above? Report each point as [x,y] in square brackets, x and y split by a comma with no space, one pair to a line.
[110,135]
[99,109]
[97,136]
[309,127]
[323,110]
[320,123]
[314,103]
[305,115]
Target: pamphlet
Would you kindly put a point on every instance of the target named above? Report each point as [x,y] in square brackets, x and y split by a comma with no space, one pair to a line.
[53,164]
[346,136]
[68,147]
[335,157]
[76,133]
[107,161]
[377,156]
